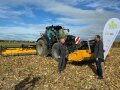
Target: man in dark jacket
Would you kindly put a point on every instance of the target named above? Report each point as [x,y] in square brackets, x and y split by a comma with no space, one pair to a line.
[62,55]
[99,56]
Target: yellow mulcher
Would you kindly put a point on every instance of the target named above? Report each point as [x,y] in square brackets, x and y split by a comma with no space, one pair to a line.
[23,50]
[77,55]
[80,55]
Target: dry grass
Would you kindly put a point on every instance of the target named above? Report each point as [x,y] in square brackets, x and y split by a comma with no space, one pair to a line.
[116,44]
[38,73]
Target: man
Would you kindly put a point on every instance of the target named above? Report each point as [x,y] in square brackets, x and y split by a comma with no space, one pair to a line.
[62,55]
[99,56]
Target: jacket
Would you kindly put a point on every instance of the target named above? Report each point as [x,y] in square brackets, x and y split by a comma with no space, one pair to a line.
[98,51]
[62,51]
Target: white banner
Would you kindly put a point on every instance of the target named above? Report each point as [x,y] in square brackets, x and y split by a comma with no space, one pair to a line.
[110,32]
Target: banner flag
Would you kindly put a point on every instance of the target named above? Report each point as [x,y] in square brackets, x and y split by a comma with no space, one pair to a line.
[110,32]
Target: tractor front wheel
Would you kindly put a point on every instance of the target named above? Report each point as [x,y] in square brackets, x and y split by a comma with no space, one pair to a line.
[41,48]
[54,51]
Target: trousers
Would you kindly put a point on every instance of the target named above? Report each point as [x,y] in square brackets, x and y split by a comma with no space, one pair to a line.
[99,67]
[61,64]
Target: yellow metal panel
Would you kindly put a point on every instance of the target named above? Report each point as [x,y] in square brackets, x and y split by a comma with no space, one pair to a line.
[79,55]
[12,51]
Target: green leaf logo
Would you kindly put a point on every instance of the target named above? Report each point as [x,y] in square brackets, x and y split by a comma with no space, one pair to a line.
[106,33]
[112,25]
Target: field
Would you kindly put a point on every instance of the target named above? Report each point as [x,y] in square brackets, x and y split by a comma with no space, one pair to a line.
[116,43]
[15,43]
[40,73]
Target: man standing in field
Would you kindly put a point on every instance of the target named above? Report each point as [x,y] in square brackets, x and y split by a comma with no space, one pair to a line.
[99,56]
[62,55]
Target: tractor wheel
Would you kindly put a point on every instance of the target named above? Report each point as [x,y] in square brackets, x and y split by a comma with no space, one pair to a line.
[54,51]
[41,48]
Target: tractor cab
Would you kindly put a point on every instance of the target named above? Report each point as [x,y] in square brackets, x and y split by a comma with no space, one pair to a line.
[53,33]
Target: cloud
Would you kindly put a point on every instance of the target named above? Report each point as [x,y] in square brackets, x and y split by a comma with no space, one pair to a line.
[7,12]
[67,13]
[108,4]
[60,8]
[26,32]
[77,2]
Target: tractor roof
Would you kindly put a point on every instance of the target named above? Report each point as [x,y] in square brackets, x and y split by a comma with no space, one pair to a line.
[54,27]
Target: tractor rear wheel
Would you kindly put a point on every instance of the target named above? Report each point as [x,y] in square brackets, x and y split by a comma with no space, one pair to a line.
[54,51]
[41,48]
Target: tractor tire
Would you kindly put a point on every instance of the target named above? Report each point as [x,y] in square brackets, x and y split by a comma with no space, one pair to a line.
[54,51]
[41,48]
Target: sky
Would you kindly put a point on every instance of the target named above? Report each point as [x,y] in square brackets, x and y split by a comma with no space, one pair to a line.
[26,19]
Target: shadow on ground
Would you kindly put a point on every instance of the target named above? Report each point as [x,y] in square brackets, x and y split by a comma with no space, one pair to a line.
[27,84]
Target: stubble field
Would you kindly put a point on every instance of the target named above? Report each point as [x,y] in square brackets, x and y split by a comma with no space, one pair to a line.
[40,73]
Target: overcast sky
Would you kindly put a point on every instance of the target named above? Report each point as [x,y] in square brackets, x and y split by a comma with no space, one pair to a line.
[25,19]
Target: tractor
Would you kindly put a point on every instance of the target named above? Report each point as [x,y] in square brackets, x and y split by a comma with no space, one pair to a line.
[47,44]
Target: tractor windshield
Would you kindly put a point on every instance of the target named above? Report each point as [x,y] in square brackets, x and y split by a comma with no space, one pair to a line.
[62,33]
[49,33]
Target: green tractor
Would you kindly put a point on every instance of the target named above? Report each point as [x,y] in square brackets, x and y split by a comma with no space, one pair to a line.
[48,42]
